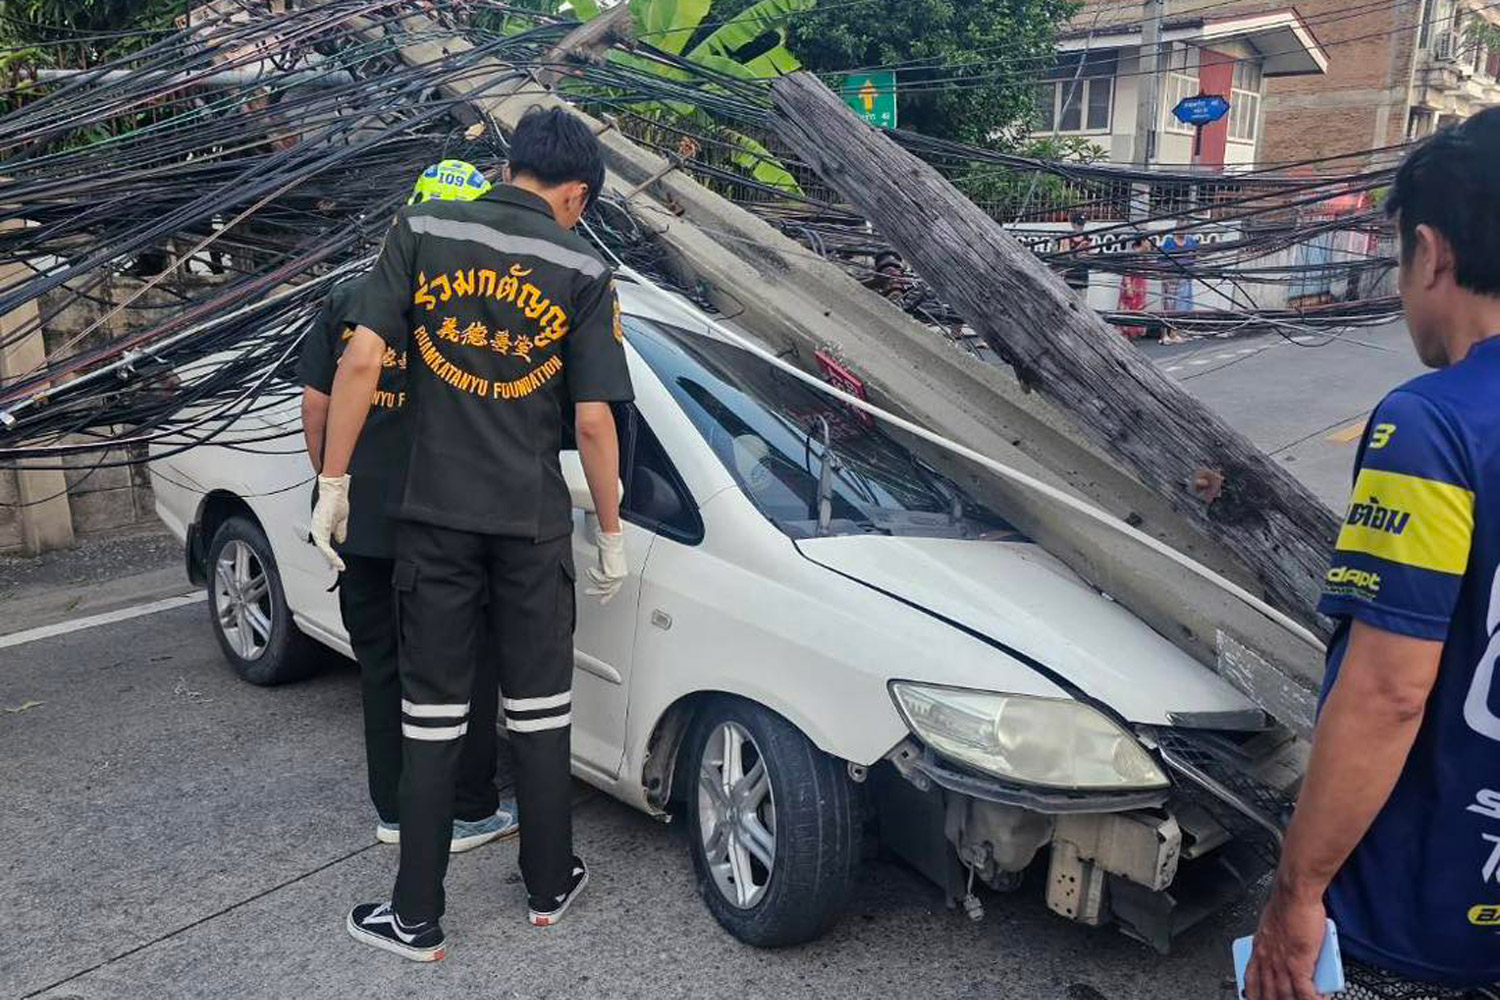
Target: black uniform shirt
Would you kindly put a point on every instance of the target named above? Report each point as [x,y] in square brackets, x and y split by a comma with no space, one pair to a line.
[375,468]
[507,319]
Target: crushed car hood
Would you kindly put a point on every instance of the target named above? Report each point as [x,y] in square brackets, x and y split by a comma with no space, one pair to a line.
[1019,596]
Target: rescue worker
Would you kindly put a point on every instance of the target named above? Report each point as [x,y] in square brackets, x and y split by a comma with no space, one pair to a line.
[512,325]
[1396,836]
[367,555]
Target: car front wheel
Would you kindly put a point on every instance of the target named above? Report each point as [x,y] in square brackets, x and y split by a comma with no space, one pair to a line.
[248,608]
[774,826]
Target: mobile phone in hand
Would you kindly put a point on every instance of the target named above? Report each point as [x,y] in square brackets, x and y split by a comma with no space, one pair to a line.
[1328,974]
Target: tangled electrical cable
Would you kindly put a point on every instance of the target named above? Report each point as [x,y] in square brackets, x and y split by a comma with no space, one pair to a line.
[172,219]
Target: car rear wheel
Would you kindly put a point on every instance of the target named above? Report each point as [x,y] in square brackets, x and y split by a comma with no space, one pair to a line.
[774,826]
[248,608]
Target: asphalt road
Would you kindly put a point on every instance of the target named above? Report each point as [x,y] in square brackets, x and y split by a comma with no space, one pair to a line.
[171,831]
[1304,399]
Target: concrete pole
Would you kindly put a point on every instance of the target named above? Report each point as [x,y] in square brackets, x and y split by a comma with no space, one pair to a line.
[46,517]
[1148,103]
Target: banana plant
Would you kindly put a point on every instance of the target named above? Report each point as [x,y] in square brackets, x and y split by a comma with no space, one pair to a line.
[676,26]
[680,28]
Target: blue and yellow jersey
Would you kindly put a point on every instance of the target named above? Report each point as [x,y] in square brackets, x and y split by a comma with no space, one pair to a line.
[1419,554]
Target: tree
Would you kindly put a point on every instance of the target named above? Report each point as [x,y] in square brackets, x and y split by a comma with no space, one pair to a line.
[966,69]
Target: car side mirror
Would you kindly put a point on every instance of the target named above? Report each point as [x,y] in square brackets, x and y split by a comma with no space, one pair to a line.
[578,483]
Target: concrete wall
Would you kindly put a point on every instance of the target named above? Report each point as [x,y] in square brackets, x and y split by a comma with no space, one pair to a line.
[102,497]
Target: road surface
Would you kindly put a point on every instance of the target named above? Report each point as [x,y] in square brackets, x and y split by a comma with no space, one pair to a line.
[173,832]
[1302,399]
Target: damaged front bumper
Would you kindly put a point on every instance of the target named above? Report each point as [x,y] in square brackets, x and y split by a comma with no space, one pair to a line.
[1152,862]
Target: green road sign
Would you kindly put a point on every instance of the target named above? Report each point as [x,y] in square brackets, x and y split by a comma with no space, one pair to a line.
[872,96]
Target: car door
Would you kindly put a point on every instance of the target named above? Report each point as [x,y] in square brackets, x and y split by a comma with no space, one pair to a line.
[655,503]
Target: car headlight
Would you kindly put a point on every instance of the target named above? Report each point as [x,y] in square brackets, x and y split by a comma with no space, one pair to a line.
[1055,742]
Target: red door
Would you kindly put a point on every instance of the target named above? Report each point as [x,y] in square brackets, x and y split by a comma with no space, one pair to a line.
[1215,76]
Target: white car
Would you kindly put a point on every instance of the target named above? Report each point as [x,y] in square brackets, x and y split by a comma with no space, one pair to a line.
[821,648]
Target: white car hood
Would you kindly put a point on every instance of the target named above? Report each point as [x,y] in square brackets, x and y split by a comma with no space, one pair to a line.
[1019,596]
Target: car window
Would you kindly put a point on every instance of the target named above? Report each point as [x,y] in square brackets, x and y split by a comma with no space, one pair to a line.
[655,497]
[767,427]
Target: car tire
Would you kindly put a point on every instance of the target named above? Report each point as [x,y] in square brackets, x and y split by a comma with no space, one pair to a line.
[247,608]
[808,806]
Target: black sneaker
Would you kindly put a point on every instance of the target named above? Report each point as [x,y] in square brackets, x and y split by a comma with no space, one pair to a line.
[376,924]
[546,912]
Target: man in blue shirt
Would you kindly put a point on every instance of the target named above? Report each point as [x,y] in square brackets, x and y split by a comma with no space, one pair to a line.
[1397,832]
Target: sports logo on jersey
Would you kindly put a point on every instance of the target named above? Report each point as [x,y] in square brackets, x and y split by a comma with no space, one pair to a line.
[1347,581]
[1486,803]
[1422,523]
[1477,711]
[1485,915]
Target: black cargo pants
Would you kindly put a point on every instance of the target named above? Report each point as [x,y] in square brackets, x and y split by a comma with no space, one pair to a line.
[368,606]
[456,592]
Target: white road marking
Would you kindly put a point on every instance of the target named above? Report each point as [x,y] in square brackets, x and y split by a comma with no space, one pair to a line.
[1201,361]
[92,621]
[1247,350]
[1174,368]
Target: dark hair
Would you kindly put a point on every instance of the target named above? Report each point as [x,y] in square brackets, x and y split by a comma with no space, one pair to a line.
[1451,182]
[556,147]
[1078,219]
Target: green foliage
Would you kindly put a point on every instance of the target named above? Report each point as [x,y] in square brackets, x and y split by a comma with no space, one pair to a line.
[1005,193]
[967,68]
[52,28]
[749,26]
[668,24]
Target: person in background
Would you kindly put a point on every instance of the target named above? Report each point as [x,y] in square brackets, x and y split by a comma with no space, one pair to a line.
[1078,242]
[366,601]
[1396,835]
[1177,288]
[1133,288]
[513,329]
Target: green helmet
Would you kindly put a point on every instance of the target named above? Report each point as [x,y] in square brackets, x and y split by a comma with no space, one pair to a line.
[451,180]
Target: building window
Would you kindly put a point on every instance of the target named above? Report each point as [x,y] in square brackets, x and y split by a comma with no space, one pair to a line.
[1179,62]
[1418,124]
[1079,93]
[1437,34]
[1244,101]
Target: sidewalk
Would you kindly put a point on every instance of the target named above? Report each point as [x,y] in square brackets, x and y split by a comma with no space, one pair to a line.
[96,576]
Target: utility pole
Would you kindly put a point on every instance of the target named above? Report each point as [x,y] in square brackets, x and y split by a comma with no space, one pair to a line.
[1148,102]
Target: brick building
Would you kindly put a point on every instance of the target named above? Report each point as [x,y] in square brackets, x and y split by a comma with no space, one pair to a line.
[1397,71]
[1236,50]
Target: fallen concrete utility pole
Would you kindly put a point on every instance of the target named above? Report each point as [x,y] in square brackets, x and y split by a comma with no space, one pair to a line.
[1209,474]
[777,288]
[802,304]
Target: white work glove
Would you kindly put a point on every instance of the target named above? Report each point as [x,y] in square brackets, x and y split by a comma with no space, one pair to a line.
[610,574]
[330,518]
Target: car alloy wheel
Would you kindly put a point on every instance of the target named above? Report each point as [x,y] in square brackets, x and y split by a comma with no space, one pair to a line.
[737,815]
[242,600]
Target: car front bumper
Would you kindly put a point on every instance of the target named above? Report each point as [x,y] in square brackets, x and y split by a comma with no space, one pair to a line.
[1152,862]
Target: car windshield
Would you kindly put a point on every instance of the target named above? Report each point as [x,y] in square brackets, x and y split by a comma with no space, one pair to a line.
[768,429]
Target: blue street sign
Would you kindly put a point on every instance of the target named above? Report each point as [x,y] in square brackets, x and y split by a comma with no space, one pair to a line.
[1205,109]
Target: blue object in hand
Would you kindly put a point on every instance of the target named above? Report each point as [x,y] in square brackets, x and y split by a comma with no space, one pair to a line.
[1328,974]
